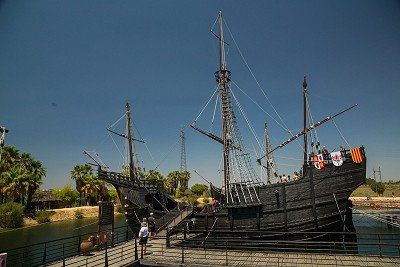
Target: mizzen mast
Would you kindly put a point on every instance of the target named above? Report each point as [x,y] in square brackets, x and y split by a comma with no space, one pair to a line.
[305,156]
[267,153]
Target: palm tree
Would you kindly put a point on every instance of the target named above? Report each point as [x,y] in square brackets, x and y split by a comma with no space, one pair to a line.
[10,156]
[173,180]
[184,177]
[13,183]
[36,173]
[82,174]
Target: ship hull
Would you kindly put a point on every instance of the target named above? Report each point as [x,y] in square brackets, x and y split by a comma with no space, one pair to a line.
[319,202]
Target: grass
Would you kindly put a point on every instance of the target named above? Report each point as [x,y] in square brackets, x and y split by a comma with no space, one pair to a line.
[365,191]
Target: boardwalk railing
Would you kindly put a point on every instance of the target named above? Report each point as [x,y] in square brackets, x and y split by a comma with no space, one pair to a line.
[58,249]
[191,246]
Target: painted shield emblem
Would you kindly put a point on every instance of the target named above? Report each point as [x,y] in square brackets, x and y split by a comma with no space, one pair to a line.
[319,161]
[356,155]
[337,158]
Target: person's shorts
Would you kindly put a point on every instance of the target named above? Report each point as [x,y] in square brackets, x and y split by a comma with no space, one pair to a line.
[143,240]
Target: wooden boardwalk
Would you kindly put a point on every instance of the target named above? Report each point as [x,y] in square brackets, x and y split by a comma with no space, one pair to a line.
[159,255]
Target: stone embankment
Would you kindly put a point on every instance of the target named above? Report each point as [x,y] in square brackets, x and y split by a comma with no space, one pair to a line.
[377,202]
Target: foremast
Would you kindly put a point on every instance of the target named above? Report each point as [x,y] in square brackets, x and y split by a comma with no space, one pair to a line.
[223,78]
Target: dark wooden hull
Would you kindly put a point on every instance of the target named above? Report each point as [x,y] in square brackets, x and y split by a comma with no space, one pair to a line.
[317,202]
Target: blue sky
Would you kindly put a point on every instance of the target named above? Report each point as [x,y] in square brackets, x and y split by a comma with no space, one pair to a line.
[68,67]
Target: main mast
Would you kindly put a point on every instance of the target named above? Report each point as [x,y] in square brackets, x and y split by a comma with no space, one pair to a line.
[223,78]
[305,156]
[132,172]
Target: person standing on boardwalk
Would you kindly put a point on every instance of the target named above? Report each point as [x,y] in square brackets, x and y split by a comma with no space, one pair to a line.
[143,235]
[152,224]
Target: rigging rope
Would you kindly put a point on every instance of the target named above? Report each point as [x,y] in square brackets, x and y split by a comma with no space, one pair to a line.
[341,135]
[215,108]
[208,101]
[112,125]
[246,119]
[255,79]
[117,147]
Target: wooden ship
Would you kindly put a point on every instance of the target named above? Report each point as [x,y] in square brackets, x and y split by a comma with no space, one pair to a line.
[138,195]
[315,201]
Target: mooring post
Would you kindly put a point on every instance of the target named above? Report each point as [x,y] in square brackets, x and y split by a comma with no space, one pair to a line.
[136,252]
[44,253]
[106,257]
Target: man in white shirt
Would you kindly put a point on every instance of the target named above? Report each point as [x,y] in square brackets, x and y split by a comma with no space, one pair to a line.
[143,234]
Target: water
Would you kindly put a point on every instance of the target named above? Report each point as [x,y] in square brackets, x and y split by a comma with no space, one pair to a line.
[51,231]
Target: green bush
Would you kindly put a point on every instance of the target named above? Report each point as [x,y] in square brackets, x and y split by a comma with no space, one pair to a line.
[199,189]
[78,214]
[43,216]
[11,215]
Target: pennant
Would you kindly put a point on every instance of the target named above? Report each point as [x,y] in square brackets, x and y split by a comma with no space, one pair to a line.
[337,158]
[356,155]
[318,161]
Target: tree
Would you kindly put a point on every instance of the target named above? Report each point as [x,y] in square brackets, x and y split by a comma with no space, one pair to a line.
[172,181]
[184,177]
[199,189]
[375,186]
[69,196]
[156,176]
[83,174]
[20,176]
[36,172]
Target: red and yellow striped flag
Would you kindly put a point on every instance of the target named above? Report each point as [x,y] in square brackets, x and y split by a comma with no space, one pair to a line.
[356,155]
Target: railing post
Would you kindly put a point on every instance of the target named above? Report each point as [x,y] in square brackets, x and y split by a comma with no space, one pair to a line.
[44,253]
[136,252]
[184,233]
[167,241]
[106,257]
[79,244]
[226,253]
[63,255]
[380,249]
[126,233]
[183,255]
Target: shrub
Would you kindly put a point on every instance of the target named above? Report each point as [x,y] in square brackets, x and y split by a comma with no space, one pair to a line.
[199,189]
[11,215]
[78,214]
[43,216]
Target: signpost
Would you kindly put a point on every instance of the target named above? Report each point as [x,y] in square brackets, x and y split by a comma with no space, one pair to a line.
[106,222]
